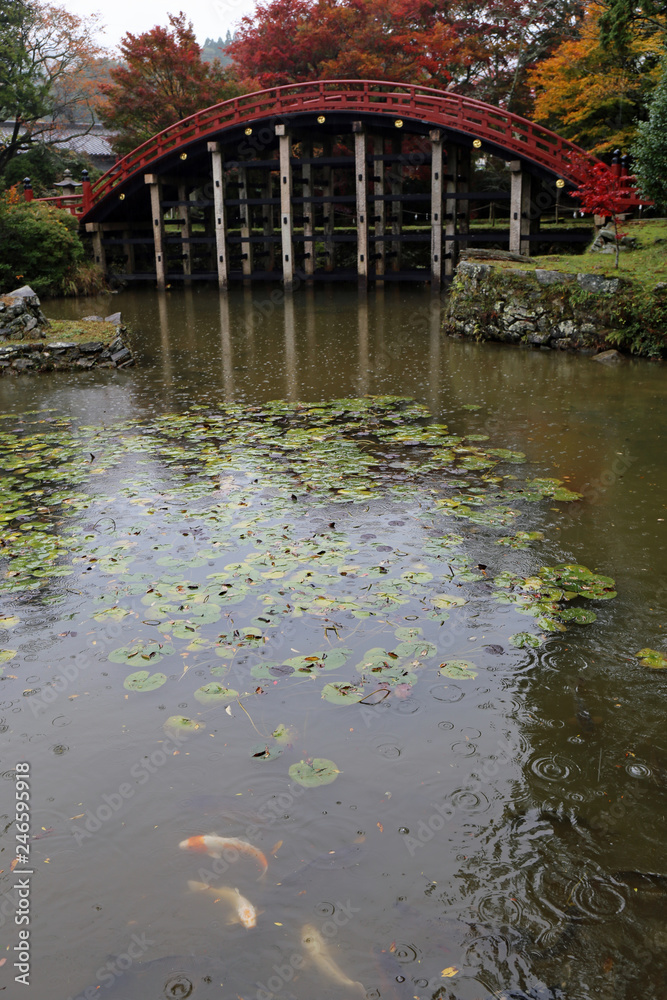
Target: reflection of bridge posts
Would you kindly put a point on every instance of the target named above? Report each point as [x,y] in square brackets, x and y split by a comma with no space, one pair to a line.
[219,212]
[519,208]
[436,208]
[155,185]
[286,205]
[362,216]
[128,251]
[267,223]
[186,230]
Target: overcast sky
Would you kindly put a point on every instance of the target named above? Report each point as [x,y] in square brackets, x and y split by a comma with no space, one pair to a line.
[211,18]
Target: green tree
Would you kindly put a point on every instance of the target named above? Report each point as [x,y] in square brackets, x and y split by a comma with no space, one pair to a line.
[43,53]
[650,148]
[39,246]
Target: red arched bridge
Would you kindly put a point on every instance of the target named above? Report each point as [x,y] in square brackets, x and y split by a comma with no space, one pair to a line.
[333,178]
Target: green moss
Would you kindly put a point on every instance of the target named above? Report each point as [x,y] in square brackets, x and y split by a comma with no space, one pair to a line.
[75,331]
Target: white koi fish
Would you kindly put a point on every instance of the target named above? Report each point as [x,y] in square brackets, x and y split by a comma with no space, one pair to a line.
[215,847]
[246,913]
[313,942]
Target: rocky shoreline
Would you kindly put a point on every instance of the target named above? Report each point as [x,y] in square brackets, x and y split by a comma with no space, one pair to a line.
[25,347]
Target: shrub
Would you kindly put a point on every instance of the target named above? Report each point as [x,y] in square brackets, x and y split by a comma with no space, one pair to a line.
[39,246]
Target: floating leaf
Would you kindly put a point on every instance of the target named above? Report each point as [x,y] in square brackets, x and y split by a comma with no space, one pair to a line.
[141,651]
[6,655]
[266,751]
[143,680]
[447,601]
[180,724]
[416,650]
[311,773]
[525,639]
[284,734]
[408,633]
[653,658]
[340,693]
[9,621]
[213,693]
[460,669]
[579,580]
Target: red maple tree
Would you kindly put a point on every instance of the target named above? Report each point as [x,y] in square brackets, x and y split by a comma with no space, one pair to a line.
[601,192]
[161,80]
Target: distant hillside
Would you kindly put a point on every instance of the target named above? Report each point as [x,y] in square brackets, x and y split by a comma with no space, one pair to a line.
[217,50]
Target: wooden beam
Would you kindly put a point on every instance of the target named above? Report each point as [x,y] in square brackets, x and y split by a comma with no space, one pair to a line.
[519,208]
[362,205]
[436,208]
[451,250]
[328,209]
[379,206]
[464,175]
[244,211]
[286,205]
[128,250]
[96,229]
[396,206]
[308,209]
[219,213]
[186,229]
[153,182]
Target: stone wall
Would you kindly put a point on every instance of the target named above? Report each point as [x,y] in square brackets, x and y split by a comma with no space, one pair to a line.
[25,345]
[543,308]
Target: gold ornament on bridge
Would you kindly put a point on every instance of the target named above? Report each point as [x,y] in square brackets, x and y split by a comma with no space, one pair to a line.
[560,183]
[477,143]
[184,156]
[248,131]
[399,123]
[121,197]
[321,119]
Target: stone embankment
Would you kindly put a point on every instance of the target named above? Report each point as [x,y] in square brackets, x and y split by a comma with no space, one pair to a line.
[542,308]
[26,347]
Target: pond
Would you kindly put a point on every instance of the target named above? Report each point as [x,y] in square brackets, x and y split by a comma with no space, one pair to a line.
[320,638]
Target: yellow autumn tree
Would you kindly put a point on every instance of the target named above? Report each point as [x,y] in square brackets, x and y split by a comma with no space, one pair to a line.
[593,94]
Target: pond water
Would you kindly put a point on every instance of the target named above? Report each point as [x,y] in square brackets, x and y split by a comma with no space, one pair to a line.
[303,577]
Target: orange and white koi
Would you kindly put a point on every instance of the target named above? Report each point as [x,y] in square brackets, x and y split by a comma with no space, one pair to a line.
[246,913]
[313,942]
[223,847]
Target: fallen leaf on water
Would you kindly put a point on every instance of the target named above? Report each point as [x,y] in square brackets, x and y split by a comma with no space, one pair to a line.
[449,972]
[13,864]
[380,827]
[2,961]
[78,817]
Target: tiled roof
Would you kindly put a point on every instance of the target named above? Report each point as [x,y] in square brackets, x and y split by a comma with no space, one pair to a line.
[96,142]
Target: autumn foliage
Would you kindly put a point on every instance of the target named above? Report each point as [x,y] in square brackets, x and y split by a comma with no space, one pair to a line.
[162,79]
[602,192]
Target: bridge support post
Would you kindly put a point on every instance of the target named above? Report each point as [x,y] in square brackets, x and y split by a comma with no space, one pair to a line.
[379,206]
[219,213]
[396,174]
[451,246]
[436,208]
[519,208]
[128,251]
[244,211]
[153,182]
[308,207]
[286,205]
[463,177]
[328,218]
[98,250]
[186,231]
[362,203]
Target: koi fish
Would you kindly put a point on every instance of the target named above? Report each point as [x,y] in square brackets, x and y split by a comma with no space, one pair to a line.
[246,913]
[214,846]
[313,943]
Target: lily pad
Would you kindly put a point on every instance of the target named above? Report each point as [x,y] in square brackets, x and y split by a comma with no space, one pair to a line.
[461,669]
[214,693]
[143,680]
[408,633]
[579,580]
[522,640]
[284,734]
[180,725]
[311,773]
[340,693]
[7,654]
[9,621]
[653,658]
[140,651]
